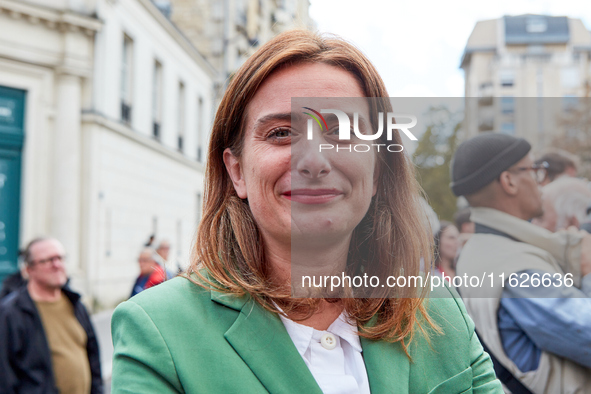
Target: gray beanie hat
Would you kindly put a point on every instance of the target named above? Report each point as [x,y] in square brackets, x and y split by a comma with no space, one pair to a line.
[480,160]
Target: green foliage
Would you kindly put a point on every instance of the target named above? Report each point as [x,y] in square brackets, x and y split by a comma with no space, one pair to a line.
[433,160]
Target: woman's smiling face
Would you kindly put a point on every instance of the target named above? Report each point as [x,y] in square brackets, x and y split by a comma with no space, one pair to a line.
[294,191]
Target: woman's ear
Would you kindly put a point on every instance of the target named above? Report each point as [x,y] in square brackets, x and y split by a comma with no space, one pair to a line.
[235,171]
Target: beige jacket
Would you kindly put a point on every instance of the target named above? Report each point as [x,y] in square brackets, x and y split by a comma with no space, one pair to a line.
[494,254]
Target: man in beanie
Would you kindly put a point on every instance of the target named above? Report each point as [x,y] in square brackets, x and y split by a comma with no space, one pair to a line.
[533,310]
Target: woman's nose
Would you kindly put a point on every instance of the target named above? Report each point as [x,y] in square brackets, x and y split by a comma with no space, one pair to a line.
[312,164]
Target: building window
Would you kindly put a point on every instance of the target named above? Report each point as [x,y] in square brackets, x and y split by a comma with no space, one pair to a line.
[508,128]
[570,78]
[507,105]
[126,79]
[199,129]
[536,24]
[506,78]
[486,123]
[536,49]
[181,120]
[157,100]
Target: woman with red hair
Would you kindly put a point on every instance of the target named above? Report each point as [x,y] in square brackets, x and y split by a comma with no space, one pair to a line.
[232,324]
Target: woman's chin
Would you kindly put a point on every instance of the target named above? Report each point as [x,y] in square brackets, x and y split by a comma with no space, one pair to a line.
[320,234]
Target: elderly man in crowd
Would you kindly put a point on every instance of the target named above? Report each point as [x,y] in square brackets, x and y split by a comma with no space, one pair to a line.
[151,273]
[538,335]
[559,164]
[47,342]
[565,202]
[170,264]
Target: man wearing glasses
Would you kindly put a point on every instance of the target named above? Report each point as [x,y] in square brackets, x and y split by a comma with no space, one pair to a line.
[47,342]
[533,311]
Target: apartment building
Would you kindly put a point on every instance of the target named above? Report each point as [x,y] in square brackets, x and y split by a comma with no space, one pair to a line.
[228,31]
[522,73]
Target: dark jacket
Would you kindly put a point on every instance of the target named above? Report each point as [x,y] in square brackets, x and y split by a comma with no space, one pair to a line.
[11,283]
[25,359]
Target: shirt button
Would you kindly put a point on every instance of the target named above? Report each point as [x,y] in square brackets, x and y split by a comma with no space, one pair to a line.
[328,341]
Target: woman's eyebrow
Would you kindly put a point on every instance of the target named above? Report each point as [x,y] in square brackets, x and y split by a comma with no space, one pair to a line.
[272,118]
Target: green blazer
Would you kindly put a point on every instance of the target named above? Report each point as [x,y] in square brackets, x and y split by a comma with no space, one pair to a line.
[180,338]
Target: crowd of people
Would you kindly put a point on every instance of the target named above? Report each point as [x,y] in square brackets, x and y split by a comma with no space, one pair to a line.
[566,204]
[156,266]
[526,221]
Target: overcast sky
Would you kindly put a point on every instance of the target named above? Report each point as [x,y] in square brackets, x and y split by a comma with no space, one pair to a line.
[417,45]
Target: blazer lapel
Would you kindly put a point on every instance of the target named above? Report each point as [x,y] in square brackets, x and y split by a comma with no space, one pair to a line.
[260,339]
[388,367]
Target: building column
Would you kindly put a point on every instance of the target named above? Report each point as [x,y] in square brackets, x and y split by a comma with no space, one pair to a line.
[66,183]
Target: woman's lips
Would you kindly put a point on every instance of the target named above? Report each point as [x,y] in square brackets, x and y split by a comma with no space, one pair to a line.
[312,196]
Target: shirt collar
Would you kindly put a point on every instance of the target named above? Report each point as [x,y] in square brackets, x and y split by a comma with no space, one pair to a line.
[347,331]
[301,335]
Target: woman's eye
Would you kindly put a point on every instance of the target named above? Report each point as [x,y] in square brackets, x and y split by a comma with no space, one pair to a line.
[334,133]
[280,134]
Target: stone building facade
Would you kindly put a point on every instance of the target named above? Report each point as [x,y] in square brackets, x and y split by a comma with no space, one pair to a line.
[105,109]
[228,31]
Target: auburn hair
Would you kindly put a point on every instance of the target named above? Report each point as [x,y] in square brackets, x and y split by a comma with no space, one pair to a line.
[229,254]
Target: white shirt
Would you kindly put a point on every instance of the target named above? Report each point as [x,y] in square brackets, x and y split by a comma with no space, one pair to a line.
[333,356]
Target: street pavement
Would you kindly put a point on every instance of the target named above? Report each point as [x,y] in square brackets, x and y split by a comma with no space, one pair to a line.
[102,327]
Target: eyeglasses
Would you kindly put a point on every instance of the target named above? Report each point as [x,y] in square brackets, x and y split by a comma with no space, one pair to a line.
[49,260]
[538,171]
